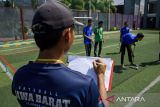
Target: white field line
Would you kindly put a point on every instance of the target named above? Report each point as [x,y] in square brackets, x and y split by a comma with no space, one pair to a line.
[130,104]
[102,48]
[77,41]
[22,51]
[32,46]
[5,50]
[5,69]
[69,52]
[111,32]
[38,49]
[17,48]
[105,33]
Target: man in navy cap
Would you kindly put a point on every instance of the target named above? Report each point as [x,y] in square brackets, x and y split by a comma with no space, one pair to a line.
[47,82]
[127,40]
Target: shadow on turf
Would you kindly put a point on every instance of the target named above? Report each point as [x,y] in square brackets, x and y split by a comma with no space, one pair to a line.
[149,63]
[114,53]
[117,69]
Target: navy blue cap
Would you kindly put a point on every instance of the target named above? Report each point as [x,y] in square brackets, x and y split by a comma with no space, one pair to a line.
[53,14]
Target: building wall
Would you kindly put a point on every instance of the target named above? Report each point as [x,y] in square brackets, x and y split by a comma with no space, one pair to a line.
[120,9]
[128,6]
[152,14]
[132,7]
[137,7]
[27,3]
[158,15]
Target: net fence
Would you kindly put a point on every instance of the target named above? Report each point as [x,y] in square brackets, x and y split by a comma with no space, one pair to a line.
[11,22]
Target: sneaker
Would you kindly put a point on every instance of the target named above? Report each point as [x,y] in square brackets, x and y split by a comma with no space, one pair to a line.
[123,67]
[132,64]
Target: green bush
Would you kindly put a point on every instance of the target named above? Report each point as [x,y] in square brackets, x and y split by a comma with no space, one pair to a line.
[114,29]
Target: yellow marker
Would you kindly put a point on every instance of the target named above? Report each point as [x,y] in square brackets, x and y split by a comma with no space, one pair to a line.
[17,44]
[50,61]
[6,46]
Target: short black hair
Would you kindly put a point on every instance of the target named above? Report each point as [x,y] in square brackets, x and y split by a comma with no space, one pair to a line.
[125,23]
[140,35]
[89,20]
[100,22]
[45,37]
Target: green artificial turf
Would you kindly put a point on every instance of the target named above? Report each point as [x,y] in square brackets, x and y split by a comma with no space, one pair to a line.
[129,81]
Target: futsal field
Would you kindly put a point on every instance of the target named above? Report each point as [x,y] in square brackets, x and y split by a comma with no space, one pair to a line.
[130,83]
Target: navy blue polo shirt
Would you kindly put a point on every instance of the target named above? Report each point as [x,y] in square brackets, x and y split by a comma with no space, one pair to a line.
[124,30]
[128,39]
[53,85]
[88,32]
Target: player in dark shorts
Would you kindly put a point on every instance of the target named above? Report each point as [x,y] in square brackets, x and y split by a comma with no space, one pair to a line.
[87,34]
[98,31]
[124,30]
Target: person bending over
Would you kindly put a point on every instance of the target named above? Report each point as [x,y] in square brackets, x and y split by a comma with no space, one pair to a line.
[127,40]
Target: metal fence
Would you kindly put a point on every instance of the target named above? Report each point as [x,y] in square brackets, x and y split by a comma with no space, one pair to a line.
[116,20]
[11,22]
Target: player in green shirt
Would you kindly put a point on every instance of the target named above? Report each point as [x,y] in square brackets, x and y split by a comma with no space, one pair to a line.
[98,31]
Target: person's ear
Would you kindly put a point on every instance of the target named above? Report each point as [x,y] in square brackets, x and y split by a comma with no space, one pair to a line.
[66,35]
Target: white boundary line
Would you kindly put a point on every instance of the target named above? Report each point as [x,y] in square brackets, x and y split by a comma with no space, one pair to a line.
[69,52]
[5,50]
[111,32]
[32,41]
[102,48]
[105,33]
[130,104]
[5,69]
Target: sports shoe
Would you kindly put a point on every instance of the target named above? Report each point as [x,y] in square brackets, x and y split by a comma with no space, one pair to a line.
[123,67]
[132,64]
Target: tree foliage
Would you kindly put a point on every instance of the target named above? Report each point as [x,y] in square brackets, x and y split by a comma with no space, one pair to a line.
[34,3]
[66,2]
[101,5]
[7,4]
[77,4]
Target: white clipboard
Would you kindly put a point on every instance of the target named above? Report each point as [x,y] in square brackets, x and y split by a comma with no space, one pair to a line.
[84,65]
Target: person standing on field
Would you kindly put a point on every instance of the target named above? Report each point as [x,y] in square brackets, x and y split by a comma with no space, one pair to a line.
[123,31]
[98,38]
[87,34]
